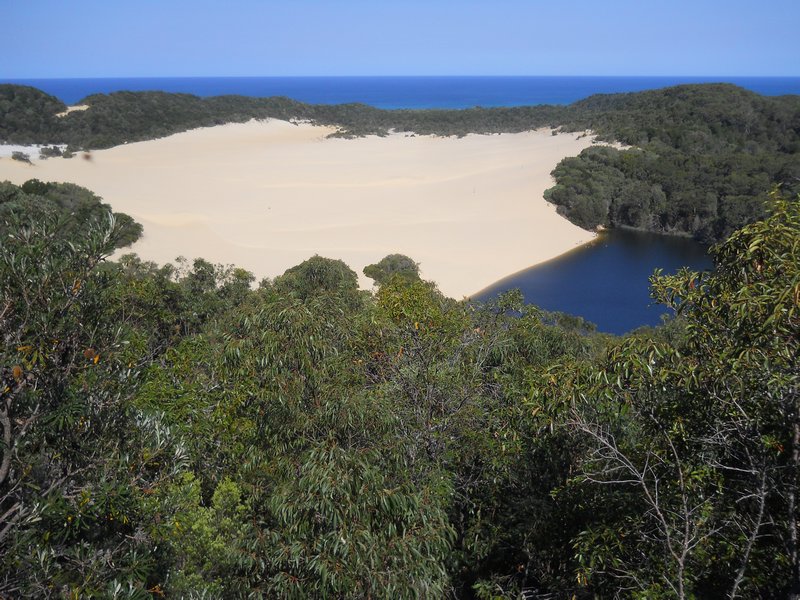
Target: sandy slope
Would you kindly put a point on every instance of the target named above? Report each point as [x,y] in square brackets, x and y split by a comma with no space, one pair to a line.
[267,195]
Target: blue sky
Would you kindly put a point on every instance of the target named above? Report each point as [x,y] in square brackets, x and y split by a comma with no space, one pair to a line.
[108,38]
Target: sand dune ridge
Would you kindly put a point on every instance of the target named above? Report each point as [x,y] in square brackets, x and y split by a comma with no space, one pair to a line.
[266,195]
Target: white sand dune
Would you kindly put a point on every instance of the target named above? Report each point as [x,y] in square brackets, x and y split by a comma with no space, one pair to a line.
[266,195]
[70,109]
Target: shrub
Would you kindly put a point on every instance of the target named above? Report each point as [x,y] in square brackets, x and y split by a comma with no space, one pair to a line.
[49,152]
[20,156]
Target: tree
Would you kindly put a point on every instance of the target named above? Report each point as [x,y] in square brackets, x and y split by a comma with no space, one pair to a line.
[318,276]
[705,436]
[49,152]
[66,499]
[21,156]
[347,527]
[393,265]
[77,207]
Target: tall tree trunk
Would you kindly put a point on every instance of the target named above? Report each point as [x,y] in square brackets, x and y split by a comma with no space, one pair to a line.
[751,540]
[5,422]
[794,590]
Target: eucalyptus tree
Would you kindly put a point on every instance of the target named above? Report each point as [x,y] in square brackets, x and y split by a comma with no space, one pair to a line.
[701,440]
[393,264]
[72,454]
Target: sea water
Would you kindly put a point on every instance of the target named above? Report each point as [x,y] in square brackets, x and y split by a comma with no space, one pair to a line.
[401,92]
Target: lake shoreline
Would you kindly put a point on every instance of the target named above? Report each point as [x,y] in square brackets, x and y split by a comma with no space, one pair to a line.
[606,281]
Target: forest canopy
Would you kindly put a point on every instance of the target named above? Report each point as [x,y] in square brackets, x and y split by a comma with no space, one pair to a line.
[70,206]
[170,431]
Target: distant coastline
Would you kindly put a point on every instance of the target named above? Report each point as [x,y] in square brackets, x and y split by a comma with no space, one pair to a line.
[448,92]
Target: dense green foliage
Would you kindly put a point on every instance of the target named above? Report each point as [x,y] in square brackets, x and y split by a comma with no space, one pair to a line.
[394,265]
[704,434]
[28,115]
[701,161]
[170,431]
[70,206]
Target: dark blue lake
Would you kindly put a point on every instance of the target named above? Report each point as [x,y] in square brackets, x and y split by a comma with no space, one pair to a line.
[606,282]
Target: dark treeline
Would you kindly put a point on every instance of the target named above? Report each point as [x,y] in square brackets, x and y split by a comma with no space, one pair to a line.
[28,115]
[701,160]
[170,432]
[701,156]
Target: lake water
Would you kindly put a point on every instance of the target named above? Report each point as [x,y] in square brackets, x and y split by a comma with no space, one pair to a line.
[606,281]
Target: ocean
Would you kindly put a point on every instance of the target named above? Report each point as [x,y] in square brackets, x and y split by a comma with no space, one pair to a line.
[402,92]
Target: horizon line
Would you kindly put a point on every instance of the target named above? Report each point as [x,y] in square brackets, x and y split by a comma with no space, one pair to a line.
[3,78]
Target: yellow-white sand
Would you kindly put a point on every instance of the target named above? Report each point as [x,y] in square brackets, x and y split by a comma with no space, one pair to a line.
[266,195]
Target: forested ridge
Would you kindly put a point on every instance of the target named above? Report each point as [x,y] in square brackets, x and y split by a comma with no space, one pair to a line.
[168,431]
[700,162]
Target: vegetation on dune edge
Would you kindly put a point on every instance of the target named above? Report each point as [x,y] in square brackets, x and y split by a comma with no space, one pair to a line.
[699,160]
[168,431]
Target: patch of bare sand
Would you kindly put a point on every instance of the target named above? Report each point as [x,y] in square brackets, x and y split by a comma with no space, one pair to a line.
[266,195]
